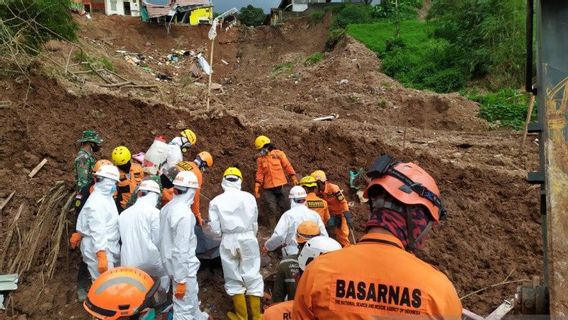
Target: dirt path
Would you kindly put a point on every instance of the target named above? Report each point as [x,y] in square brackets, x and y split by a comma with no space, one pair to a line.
[423,13]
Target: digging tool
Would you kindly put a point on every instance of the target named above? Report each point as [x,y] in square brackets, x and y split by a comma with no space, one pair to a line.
[353,237]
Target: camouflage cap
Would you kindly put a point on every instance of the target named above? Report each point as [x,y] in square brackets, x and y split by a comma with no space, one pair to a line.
[90,136]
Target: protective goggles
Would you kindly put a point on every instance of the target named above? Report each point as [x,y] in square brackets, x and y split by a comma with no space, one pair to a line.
[384,165]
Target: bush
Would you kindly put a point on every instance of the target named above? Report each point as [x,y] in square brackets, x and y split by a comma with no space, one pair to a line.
[408,9]
[353,14]
[317,17]
[334,36]
[35,21]
[508,107]
[313,59]
[252,16]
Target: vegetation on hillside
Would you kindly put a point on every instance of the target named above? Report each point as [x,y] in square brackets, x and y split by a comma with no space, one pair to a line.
[462,44]
[251,16]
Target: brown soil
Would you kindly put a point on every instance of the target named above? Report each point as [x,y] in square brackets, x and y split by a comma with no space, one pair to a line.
[493,227]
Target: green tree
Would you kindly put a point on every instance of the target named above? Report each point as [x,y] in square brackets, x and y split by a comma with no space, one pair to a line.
[486,37]
[252,16]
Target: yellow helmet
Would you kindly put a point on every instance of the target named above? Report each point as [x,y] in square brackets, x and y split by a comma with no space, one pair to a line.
[260,141]
[232,171]
[319,175]
[120,155]
[189,135]
[308,181]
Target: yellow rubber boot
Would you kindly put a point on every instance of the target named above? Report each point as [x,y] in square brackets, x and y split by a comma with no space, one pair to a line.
[254,302]
[240,304]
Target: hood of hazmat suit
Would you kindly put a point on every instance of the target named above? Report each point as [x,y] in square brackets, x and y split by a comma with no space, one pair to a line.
[285,230]
[140,233]
[234,215]
[98,224]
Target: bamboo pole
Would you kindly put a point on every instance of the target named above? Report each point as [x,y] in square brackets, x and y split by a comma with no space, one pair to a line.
[210,74]
[527,121]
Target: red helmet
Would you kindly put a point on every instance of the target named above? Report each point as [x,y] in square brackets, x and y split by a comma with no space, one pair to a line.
[418,189]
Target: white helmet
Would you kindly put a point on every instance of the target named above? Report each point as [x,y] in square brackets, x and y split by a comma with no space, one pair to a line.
[297,192]
[149,185]
[315,247]
[108,171]
[186,179]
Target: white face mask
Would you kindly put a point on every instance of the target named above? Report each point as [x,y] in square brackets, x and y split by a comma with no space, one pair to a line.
[105,186]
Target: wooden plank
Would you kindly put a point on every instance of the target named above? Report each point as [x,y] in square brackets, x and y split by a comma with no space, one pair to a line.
[37,168]
[7,200]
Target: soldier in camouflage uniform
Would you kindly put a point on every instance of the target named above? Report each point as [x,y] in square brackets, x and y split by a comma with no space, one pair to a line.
[85,160]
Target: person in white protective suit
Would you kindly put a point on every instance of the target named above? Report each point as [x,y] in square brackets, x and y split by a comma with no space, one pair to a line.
[177,147]
[139,227]
[98,224]
[285,231]
[233,215]
[177,247]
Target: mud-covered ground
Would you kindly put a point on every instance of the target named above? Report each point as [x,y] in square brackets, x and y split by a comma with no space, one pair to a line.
[493,229]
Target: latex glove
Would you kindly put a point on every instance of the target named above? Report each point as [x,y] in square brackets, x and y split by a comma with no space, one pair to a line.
[257,190]
[180,290]
[347,215]
[294,180]
[103,261]
[75,240]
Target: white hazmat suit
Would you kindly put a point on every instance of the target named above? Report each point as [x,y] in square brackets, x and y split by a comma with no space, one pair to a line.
[174,154]
[285,230]
[177,249]
[98,225]
[139,228]
[233,216]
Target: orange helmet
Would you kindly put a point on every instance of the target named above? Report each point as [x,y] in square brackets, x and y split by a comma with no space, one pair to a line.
[307,230]
[101,163]
[206,158]
[119,293]
[408,183]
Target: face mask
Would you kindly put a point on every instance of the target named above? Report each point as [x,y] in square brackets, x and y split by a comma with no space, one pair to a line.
[113,189]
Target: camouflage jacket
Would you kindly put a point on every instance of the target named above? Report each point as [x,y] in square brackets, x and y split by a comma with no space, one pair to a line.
[84,163]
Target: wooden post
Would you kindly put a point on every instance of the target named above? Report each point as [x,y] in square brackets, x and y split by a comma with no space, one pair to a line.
[528,120]
[210,74]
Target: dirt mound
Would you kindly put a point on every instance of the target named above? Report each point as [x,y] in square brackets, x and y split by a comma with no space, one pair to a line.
[493,227]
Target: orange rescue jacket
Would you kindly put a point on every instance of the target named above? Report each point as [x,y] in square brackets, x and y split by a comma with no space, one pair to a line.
[377,278]
[128,184]
[336,202]
[279,311]
[271,169]
[318,205]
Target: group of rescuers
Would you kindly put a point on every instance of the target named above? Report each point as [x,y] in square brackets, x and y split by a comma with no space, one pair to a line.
[136,233]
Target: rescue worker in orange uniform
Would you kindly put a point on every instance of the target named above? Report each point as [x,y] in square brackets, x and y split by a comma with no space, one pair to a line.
[340,217]
[272,166]
[131,174]
[313,201]
[380,276]
[202,162]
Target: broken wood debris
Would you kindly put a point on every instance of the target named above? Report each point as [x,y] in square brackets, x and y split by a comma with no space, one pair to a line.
[331,117]
[7,200]
[37,168]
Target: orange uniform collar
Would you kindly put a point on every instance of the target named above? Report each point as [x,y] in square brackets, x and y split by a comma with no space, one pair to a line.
[381,238]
